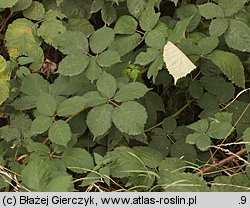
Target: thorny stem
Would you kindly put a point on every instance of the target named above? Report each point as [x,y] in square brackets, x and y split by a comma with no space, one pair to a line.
[174,115]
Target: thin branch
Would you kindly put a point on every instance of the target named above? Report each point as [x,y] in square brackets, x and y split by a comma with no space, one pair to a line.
[222,162]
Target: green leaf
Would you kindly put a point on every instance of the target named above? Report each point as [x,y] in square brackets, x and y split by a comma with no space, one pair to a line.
[218,27]
[59,133]
[218,86]
[61,183]
[148,17]
[22,122]
[230,65]
[195,89]
[4,91]
[9,133]
[231,7]
[24,103]
[96,5]
[155,39]
[179,30]
[36,174]
[47,33]
[181,149]
[72,106]
[106,85]
[81,25]
[76,8]
[36,11]
[147,57]
[93,71]
[125,25]
[208,44]
[73,64]
[108,58]
[34,84]
[155,67]
[101,39]
[219,129]
[40,124]
[200,126]
[46,104]
[99,119]
[94,98]
[21,39]
[108,13]
[246,138]
[202,141]
[71,42]
[21,5]
[189,10]
[130,117]
[123,44]
[238,35]
[160,143]
[135,7]
[38,147]
[150,157]
[211,10]
[232,183]
[78,160]
[7,4]
[182,182]
[169,124]
[131,91]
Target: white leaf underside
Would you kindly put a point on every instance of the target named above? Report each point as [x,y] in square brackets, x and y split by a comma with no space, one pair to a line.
[176,61]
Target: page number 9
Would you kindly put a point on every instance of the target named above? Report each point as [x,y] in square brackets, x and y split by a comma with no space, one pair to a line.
[243,200]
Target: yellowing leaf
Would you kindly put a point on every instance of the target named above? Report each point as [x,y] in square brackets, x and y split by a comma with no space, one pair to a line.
[176,61]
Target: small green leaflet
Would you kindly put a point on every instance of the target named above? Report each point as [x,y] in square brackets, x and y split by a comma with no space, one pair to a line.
[202,141]
[155,67]
[72,106]
[61,183]
[101,39]
[94,98]
[238,35]
[211,10]
[130,117]
[108,13]
[96,5]
[218,27]
[179,30]
[40,124]
[7,4]
[230,65]
[99,119]
[131,91]
[125,25]
[108,58]
[46,104]
[123,44]
[60,133]
[155,39]
[73,64]
[78,160]
[36,11]
[231,7]
[93,70]
[135,7]
[106,85]
[144,58]
[36,174]
[148,17]
[21,5]
[176,61]
[71,42]
[34,84]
